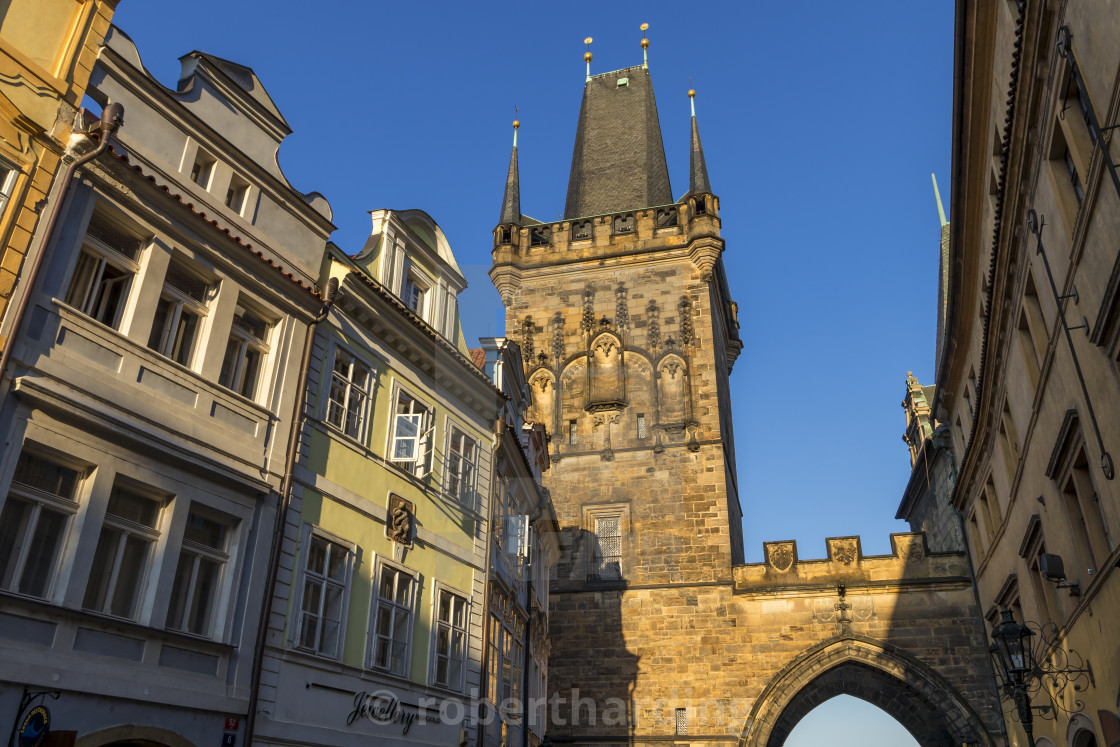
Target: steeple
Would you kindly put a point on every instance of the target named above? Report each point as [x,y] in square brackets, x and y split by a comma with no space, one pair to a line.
[511,202]
[697,168]
[618,162]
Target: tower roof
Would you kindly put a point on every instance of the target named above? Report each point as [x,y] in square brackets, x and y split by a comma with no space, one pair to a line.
[698,169]
[511,202]
[619,161]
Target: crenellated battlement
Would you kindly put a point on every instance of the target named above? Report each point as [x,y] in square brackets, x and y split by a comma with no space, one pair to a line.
[601,236]
[909,563]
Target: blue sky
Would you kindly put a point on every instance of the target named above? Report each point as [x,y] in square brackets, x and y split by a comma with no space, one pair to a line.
[821,124]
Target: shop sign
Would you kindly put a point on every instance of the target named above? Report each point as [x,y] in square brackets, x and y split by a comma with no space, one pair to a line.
[385,708]
[35,727]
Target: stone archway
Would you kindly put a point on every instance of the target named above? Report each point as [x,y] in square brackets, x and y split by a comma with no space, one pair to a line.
[127,735]
[920,699]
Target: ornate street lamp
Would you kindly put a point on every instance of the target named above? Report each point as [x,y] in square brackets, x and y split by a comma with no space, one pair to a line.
[1014,659]
[1030,659]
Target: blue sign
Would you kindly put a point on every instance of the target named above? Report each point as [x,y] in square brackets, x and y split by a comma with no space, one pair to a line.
[35,728]
[229,739]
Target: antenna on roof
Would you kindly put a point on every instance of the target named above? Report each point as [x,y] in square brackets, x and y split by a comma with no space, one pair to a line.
[940,207]
[645,46]
[587,56]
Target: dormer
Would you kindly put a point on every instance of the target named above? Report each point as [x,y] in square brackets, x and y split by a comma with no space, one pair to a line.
[408,253]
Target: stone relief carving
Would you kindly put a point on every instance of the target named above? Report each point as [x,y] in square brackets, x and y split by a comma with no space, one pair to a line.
[653,326]
[402,516]
[781,555]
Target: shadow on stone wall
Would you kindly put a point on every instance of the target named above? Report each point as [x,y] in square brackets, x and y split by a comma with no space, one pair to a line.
[592,672]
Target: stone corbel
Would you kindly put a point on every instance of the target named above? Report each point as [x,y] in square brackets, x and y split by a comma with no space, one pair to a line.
[507,280]
[704,252]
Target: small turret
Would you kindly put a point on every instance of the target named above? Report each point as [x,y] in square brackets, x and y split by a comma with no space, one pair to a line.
[698,170]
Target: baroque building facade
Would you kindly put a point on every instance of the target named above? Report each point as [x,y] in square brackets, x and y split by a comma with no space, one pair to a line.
[379,602]
[1021,434]
[147,408]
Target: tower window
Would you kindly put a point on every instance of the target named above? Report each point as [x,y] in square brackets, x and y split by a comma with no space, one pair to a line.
[681,721]
[641,425]
[572,435]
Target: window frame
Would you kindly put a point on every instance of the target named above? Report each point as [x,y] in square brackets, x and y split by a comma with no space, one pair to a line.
[438,589]
[373,636]
[126,529]
[222,557]
[309,534]
[104,254]
[181,303]
[420,462]
[7,182]
[40,499]
[465,492]
[348,386]
[591,515]
[246,343]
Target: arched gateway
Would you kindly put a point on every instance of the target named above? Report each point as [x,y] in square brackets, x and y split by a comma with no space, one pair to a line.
[914,694]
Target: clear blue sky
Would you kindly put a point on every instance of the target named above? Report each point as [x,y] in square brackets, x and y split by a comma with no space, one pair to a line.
[821,123]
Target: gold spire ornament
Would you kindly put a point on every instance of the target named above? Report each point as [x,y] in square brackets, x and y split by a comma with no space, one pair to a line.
[645,46]
[587,55]
[692,96]
[516,124]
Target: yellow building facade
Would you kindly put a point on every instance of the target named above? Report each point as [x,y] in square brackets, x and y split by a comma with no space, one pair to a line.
[47,50]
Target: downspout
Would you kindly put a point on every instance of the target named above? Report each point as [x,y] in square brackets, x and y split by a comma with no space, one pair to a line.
[499,435]
[298,421]
[111,120]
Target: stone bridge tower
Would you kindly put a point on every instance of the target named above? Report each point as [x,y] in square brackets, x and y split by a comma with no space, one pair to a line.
[628,333]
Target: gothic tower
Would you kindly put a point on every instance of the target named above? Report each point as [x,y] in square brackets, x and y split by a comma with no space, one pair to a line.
[628,333]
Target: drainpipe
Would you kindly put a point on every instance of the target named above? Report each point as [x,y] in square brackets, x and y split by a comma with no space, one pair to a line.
[111,120]
[285,494]
[499,433]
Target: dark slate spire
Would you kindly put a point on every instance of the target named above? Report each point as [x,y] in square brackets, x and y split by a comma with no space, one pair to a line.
[698,169]
[511,202]
[618,162]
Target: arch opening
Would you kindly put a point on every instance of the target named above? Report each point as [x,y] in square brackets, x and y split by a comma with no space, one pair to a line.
[848,721]
[896,698]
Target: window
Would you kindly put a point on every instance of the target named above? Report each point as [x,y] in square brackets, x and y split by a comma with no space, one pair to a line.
[605,525]
[681,721]
[608,559]
[8,176]
[236,194]
[1083,507]
[245,352]
[33,523]
[641,425]
[105,268]
[451,640]
[199,573]
[1033,338]
[1074,179]
[506,661]
[411,434]
[461,458]
[326,576]
[202,169]
[179,313]
[392,619]
[120,562]
[350,381]
[573,434]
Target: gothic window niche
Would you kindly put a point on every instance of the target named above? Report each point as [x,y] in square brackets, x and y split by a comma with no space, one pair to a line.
[672,393]
[606,378]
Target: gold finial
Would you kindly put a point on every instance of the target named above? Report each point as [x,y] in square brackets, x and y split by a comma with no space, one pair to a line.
[516,124]
[692,96]
[645,45]
[691,93]
[587,55]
